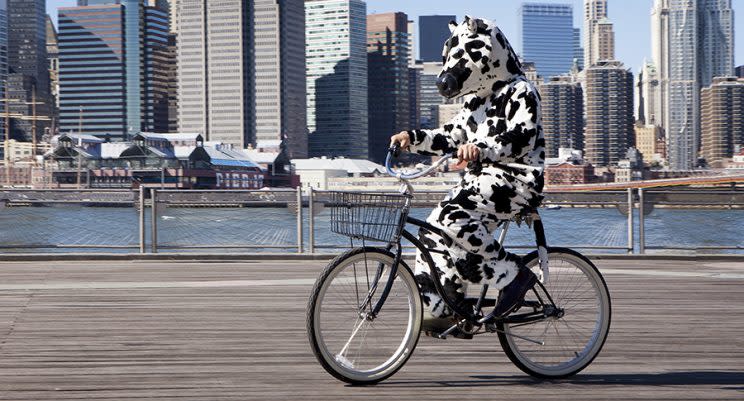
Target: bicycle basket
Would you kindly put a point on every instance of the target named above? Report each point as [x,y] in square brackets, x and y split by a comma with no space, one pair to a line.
[370,216]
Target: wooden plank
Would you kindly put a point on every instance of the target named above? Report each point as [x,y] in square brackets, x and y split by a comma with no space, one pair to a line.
[674,336]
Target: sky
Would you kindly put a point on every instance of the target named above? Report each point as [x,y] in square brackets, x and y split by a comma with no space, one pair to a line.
[631,19]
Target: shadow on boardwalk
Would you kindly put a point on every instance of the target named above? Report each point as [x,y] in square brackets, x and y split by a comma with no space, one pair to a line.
[692,378]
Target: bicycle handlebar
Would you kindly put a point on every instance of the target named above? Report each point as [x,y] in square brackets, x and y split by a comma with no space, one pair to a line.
[394,151]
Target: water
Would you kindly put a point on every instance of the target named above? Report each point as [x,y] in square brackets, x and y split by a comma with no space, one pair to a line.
[67,228]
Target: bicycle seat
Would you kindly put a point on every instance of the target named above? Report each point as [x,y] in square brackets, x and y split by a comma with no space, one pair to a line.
[527,214]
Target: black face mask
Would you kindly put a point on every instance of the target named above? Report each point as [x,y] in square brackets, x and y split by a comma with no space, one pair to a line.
[451,81]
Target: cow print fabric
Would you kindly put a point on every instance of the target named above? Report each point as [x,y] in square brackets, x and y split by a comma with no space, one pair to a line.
[501,115]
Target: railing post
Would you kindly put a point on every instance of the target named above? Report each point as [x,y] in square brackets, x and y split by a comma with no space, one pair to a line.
[142,218]
[311,221]
[630,220]
[299,219]
[154,220]
[641,222]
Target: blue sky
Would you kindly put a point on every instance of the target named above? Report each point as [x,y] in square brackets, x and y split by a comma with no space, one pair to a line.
[631,18]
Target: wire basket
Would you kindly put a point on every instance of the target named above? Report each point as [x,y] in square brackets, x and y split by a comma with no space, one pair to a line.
[369,216]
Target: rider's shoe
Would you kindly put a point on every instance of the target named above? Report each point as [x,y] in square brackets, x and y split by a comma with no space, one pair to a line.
[513,294]
[435,326]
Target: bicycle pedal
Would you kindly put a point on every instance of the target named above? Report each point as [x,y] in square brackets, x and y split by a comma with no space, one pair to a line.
[456,334]
[461,335]
[434,334]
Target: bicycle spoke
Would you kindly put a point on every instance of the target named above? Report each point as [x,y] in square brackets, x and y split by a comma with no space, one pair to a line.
[571,338]
[355,341]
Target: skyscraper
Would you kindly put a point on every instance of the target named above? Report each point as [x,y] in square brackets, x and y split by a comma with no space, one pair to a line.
[433,32]
[716,35]
[27,41]
[172,79]
[740,71]
[411,41]
[336,37]
[173,11]
[692,42]
[609,117]
[648,141]
[547,37]
[280,80]
[241,65]
[28,74]
[113,68]
[172,66]
[429,97]
[193,90]
[578,49]
[53,63]
[387,57]
[649,102]
[3,61]
[722,112]
[603,40]
[215,70]
[563,114]
[414,97]
[594,11]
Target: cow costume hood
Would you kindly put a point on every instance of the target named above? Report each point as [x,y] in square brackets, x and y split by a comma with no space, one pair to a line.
[477,58]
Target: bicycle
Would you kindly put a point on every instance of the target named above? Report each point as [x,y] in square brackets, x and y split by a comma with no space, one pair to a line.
[364,313]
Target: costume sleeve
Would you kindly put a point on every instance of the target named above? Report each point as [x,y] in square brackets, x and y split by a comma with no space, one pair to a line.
[512,135]
[439,141]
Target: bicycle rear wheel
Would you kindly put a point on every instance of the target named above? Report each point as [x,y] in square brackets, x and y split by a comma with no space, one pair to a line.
[349,343]
[570,342]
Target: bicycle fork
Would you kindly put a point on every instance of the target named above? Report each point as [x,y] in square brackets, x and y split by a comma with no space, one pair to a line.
[375,285]
[371,290]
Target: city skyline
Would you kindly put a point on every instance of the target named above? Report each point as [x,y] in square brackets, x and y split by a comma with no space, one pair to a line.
[631,19]
[548,36]
[632,23]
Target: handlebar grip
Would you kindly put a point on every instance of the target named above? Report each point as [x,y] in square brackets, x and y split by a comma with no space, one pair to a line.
[395,150]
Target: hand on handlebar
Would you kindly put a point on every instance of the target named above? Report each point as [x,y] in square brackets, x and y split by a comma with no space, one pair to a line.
[468,152]
[402,139]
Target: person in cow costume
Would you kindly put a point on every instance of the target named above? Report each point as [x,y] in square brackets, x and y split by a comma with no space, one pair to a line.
[498,132]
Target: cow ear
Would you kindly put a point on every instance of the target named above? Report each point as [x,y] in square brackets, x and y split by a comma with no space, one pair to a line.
[452,26]
[472,24]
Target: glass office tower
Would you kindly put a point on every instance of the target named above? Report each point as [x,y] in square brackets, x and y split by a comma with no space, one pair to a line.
[3,60]
[336,38]
[433,32]
[547,35]
[113,68]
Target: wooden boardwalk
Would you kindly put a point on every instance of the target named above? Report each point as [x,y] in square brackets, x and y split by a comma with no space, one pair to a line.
[235,331]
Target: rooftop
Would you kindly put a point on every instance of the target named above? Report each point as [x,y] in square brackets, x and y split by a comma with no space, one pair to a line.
[353,166]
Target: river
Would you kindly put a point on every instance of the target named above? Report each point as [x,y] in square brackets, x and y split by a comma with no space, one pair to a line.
[71,228]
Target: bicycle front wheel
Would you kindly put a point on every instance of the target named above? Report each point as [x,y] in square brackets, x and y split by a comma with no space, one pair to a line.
[350,343]
[568,343]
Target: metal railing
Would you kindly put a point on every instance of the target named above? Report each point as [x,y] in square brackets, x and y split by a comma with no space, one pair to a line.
[229,198]
[429,199]
[293,224]
[64,199]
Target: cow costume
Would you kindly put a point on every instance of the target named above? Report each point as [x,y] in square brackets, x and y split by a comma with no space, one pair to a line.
[501,116]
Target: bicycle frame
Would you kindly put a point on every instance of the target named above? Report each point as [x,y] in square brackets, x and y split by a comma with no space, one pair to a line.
[426,255]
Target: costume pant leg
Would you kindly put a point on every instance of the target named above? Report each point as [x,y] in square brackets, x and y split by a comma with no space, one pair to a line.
[474,255]
[453,286]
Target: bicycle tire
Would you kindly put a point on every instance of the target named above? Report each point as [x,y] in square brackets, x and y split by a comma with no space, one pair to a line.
[533,362]
[337,362]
